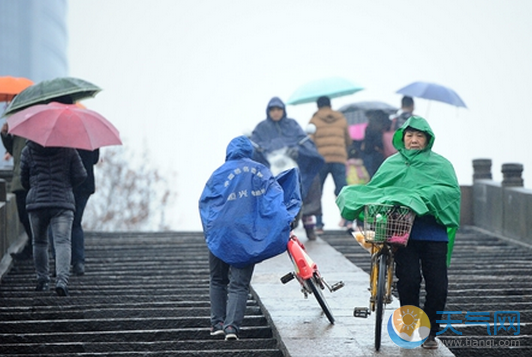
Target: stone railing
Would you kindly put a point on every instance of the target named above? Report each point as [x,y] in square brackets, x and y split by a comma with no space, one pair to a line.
[502,208]
[10,227]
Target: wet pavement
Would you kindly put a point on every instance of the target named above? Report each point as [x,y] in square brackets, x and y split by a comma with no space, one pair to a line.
[304,330]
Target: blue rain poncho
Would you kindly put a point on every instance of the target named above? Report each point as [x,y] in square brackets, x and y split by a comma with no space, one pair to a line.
[270,135]
[245,212]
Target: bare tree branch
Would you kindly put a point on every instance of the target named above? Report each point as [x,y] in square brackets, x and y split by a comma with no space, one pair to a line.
[127,198]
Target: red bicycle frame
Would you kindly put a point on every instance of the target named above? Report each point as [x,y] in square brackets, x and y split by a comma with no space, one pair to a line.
[307,274]
[303,265]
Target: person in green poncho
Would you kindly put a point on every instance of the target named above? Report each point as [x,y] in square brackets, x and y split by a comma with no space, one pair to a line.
[426,182]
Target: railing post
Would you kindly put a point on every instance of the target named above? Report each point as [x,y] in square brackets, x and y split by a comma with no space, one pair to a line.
[481,169]
[511,174]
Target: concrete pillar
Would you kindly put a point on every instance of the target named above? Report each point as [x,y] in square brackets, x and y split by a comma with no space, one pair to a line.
[511,174]
[482,169]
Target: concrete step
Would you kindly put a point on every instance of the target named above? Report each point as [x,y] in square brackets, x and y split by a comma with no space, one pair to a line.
[142,294]
[487,274]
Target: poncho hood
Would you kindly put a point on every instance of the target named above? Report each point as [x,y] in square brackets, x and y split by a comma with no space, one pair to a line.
[417,123]
[275,102]
[239,148]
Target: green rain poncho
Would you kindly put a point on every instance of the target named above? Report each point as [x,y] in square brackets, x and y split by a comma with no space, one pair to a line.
[419,179]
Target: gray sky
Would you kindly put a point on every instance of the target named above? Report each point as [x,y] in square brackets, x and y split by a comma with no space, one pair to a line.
[185,77]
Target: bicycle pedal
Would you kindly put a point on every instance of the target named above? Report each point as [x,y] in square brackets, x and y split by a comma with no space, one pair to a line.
[288,277]
[361,312]
[337,286]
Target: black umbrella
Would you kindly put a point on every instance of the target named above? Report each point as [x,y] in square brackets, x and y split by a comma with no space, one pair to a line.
[355,113]
[64,89]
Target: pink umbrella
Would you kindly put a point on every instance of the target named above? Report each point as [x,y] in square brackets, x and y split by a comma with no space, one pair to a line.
[63,125]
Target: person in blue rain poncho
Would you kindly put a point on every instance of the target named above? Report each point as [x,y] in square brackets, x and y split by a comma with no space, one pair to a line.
[246,215]
[277,133]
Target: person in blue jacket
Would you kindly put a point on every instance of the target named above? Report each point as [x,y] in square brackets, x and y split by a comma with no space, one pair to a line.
[246,217]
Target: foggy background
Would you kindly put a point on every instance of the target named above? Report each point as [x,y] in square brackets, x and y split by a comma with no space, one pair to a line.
[180,79]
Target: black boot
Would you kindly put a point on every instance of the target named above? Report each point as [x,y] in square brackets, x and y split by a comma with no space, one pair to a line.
[25,254]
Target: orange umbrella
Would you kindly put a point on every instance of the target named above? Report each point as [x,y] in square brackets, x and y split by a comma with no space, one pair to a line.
[11,86]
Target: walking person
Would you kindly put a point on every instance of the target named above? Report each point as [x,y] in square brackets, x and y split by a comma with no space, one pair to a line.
[416,173]
[332,140]
[372,145]
[50,174]
[279,133]
[82,194]
[402,115]
[14,145]
[245,220]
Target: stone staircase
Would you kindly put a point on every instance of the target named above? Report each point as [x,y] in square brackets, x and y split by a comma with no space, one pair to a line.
[143,294]
[487,274]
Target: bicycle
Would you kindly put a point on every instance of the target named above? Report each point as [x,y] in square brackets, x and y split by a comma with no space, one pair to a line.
[307,274]
[386,228]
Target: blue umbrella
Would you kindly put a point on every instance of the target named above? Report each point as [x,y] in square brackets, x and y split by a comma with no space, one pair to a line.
[331,87]
[432,91]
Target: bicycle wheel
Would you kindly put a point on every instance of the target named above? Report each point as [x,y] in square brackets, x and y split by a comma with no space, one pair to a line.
[381,287]
[316,291]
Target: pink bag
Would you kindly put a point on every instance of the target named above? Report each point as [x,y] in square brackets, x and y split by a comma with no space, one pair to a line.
[357,131]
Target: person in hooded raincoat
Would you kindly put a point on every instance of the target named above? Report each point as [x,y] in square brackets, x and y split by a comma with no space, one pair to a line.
[246,217]
[426,182]
[278,132]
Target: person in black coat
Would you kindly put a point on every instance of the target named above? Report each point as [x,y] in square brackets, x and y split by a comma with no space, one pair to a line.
[50,174]
[373,146]
[82,194]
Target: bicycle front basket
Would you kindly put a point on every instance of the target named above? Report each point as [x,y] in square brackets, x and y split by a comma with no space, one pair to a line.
[390,223]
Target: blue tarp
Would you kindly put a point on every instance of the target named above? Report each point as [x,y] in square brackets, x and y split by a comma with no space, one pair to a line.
[245,211]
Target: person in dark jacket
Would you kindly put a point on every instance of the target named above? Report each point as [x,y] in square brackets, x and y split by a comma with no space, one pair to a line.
[82,194]
[14,145]
[373,146]
[50,174]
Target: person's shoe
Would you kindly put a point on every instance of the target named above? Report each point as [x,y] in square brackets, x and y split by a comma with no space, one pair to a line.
[311,235]
[61,290]
[42,286]
[21,256]
[217,329]
[430,343]
[319,230]
[231,333]
[78,269]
